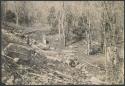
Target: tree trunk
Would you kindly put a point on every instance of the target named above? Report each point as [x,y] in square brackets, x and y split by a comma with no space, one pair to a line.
[102,35]
[17,19]
[63,29]
[17,16]
[89,38]
[59,29]
[112,57]
[88,50]
[3,10]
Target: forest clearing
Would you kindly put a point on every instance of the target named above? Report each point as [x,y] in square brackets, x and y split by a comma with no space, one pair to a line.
[62,42]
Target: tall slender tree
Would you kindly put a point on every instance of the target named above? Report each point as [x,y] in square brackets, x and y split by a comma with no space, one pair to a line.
[16,12]
[111,39]
[3,10]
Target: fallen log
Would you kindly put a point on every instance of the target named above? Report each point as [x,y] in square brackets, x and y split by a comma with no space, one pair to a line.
[60,74]
[11,38]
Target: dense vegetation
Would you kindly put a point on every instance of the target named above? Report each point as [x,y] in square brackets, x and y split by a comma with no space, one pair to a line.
[90,28]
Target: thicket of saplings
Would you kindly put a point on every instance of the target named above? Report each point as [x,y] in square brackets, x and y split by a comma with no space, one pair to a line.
[74,32]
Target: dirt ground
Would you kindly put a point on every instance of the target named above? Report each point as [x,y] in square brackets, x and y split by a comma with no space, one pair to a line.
[57,67]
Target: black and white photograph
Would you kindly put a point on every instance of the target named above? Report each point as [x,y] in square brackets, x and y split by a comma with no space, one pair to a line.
[62,42]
